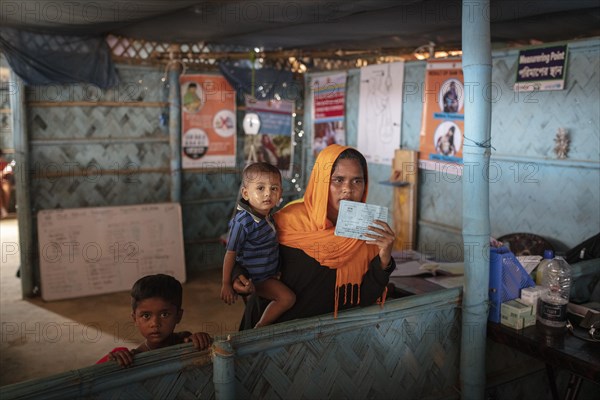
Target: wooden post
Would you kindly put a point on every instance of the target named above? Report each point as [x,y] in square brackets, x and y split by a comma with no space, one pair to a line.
[405,175]
[223,370]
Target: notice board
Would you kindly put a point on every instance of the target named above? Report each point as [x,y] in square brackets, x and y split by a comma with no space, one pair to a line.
[90,251]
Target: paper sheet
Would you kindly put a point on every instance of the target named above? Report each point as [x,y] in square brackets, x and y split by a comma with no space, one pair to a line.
[416,267]
[354,219]
[448,281]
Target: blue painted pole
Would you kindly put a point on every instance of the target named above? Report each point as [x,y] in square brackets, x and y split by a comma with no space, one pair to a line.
[22,184]
[223,370]
[175,134]
[477,69]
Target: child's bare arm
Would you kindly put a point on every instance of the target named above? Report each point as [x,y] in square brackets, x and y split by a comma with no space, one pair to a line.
[228,295]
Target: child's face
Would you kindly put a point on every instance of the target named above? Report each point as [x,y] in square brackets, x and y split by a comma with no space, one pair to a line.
[156,320]
[263,192]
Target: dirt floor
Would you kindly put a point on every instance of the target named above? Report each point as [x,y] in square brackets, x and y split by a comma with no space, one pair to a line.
[42,338]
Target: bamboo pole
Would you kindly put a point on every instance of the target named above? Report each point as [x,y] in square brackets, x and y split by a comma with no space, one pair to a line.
[477,68]
[22,184]
[223,370]
[175,134]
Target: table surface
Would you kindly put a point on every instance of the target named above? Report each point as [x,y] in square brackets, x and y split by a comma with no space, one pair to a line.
[560,350]
[409,285]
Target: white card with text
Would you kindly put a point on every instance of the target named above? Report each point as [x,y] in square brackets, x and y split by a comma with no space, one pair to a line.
[354,219]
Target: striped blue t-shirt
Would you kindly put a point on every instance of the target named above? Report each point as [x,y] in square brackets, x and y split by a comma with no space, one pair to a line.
[254,240]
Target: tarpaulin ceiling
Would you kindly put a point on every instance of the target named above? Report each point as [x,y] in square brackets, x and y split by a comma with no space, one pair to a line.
[308,25]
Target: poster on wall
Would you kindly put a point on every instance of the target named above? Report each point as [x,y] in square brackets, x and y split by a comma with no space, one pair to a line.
[541,68]
[273,142]
[329,102]
[442,129]
[208,122]
[380,111]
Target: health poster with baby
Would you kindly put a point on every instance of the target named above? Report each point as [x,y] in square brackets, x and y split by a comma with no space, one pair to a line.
[442,127]
[208,124]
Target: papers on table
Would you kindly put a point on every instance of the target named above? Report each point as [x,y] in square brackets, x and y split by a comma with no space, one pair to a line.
[413,263]
[354,219]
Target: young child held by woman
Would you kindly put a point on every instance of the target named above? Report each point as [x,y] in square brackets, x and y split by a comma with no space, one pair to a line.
[252,241]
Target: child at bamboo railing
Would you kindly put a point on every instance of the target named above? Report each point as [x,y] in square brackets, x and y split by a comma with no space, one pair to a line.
[252,242]
[156,304]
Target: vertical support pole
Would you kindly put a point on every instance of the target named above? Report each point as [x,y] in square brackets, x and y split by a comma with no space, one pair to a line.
[22,185]
[175,133]
[223,370]
[477,68]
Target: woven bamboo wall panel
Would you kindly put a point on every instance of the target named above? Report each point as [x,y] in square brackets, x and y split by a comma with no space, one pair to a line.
[126,160]
[209,219]
[109,190]
[412,106]
[409,358]
[215,183]
[96,122]
[440,197]
[533,203]
[526,123]
[191,383]
[136,83]
[202,256]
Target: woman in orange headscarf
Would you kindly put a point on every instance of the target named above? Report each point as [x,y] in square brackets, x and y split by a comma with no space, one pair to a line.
[328,272]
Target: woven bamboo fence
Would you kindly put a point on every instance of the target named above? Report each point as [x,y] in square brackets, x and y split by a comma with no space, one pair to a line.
[407,349]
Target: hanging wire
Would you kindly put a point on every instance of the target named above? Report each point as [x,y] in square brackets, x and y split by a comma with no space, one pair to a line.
[485,145]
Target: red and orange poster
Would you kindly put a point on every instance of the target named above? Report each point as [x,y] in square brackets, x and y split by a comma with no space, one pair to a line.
[442,129]
[329,101]
[208,125]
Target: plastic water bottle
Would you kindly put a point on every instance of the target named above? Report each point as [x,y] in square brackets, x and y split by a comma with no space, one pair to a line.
[552,304]
[539,270]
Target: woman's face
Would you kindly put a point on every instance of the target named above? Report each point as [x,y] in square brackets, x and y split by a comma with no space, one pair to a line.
[347,183]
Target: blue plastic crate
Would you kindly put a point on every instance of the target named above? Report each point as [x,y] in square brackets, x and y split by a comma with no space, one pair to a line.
[507,278]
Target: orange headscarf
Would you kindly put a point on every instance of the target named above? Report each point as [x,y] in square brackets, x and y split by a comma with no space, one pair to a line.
[304,225]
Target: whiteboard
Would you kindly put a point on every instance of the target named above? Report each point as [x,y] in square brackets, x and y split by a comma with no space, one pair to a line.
[89,251]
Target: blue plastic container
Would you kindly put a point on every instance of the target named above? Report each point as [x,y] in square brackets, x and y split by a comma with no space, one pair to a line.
[507,278]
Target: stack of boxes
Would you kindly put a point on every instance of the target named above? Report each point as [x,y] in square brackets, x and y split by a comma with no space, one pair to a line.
[520,313]
[531,295]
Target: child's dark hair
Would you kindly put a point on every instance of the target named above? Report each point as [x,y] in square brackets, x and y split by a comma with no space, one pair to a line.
[160,285]
[353,154]
[253,170]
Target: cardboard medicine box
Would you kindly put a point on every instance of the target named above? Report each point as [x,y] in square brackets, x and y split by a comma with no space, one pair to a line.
[517,314]
[530,295]
[518,323]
